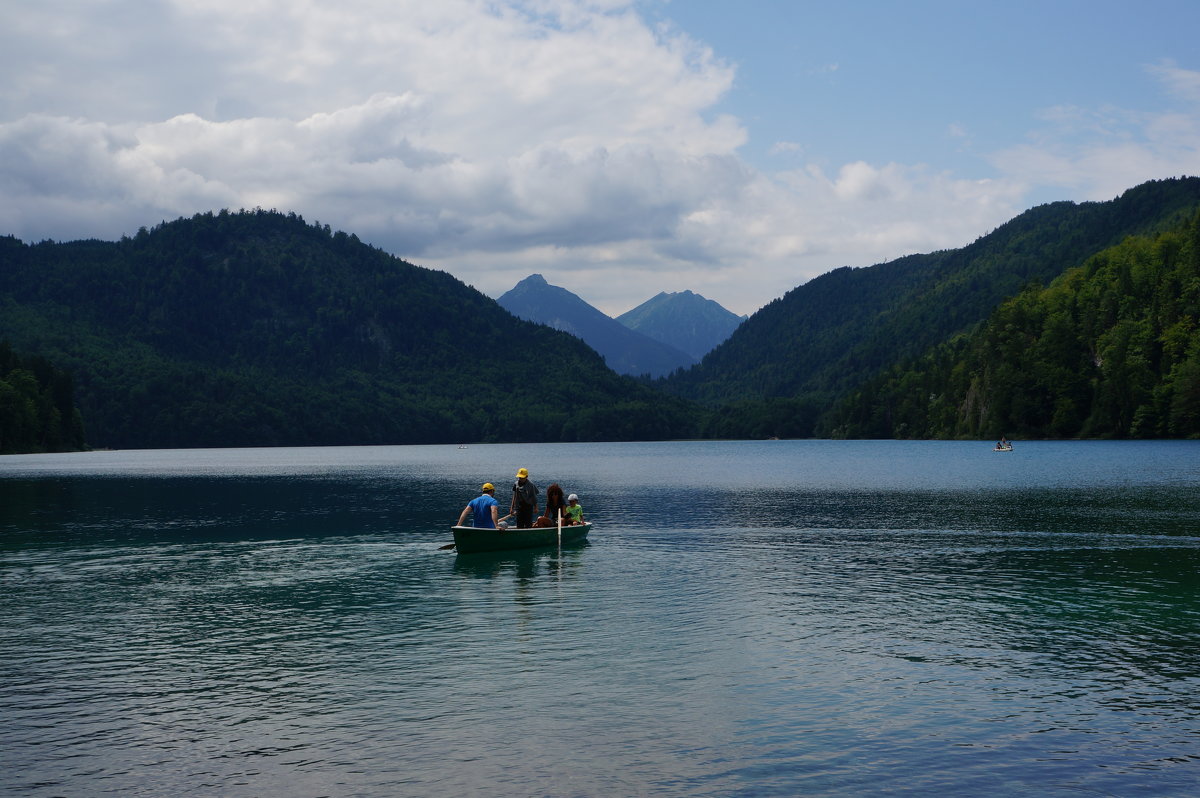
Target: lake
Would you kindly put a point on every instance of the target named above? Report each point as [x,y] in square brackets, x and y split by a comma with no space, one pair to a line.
[769,618]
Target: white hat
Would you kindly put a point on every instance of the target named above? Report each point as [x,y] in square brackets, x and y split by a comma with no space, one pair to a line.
[572,498]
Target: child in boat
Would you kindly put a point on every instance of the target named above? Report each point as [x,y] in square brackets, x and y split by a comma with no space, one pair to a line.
[574,510]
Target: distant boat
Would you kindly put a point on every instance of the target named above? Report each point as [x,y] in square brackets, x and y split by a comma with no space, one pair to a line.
[1000,447]
[472,540]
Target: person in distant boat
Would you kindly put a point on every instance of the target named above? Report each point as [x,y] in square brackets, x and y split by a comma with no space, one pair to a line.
[524,500]
[483,509]
[556,505]
[574,510]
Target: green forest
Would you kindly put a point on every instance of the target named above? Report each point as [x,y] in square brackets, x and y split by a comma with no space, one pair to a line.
[1109,349]
[37,406]
[789,365]
[257,328]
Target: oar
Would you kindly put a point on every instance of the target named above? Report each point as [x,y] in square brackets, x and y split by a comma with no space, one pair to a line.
[447,547]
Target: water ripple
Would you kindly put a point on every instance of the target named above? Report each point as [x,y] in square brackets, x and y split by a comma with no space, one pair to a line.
[281,635]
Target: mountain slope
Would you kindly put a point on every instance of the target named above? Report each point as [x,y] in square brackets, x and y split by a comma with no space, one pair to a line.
[684,320]
[624,350]
[37,406]
[255,328]
[831,334]
[1109,349]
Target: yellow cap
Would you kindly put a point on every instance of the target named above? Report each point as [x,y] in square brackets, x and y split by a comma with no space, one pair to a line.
[522,472]
[488,486]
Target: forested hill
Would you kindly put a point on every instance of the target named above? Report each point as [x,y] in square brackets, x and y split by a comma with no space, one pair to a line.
[793,360]
[1109,349]
[256,328]
[37,406]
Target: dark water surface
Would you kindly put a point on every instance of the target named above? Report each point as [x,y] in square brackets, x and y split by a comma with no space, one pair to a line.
[756,618]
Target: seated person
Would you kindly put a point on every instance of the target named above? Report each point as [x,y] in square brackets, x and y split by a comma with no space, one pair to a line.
[556,506]
[574,510]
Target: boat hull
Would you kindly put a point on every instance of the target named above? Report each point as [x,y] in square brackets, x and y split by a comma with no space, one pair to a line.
[469,540]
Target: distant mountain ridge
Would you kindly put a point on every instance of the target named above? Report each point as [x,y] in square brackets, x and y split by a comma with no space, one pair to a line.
[625,351]
[684,320]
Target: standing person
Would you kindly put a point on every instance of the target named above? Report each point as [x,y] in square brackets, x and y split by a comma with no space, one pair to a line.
[556,505]
[483,509]
[574,509]
[524,499]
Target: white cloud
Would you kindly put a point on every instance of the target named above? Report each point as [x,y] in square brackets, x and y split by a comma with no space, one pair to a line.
[780,147]
[1099,153]
[1184,83]
[491,139]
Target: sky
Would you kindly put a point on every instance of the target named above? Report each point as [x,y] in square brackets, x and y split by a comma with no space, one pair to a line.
[735,148]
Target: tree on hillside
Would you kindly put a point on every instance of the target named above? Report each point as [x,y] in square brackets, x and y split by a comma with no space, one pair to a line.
[37,409]
[1110,349]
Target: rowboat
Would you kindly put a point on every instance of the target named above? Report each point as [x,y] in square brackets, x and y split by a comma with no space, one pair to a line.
[471,540]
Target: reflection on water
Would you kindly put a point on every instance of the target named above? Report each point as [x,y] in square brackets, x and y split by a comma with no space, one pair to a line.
[525,564]
[737,624]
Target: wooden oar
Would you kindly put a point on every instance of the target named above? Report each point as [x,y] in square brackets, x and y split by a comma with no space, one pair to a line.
[447,547]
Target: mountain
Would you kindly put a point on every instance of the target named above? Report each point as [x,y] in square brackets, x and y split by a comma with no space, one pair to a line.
[625,351]
[790,362]
[1109,349]
[684,320]
[256,328]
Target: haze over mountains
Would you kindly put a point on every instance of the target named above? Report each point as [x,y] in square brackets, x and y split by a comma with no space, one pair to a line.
[662,335]
[258,328]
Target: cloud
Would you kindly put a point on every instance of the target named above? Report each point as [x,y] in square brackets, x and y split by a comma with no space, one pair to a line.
[1098,153]
[491,139]
[780,147]
[1183,83]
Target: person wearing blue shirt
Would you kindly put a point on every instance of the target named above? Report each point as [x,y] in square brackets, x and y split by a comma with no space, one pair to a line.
[483,509]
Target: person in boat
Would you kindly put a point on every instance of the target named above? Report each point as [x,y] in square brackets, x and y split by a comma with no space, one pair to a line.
[574,510]
[485,514]
[556,507]
[524,500]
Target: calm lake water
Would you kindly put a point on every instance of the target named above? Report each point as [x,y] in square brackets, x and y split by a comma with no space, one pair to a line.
[773,618]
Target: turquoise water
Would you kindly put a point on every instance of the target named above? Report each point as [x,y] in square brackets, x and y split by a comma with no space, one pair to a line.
[749,618]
